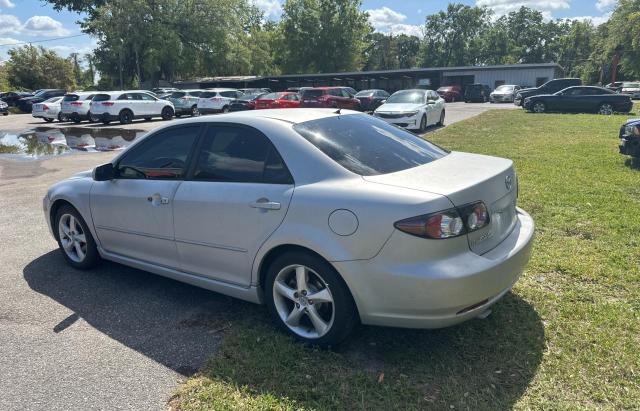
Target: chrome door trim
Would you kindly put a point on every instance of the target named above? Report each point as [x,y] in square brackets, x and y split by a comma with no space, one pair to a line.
[139,233]
[212,245]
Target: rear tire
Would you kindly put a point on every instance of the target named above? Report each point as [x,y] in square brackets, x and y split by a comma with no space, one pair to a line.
[225,109]
[605,109]
[539,107]
[325,321]
[167,113]
[194,111]
[48,120]
[74,239]
[76,118]
[125,116]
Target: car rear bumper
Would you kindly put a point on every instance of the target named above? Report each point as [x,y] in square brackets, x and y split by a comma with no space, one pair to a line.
[435,294]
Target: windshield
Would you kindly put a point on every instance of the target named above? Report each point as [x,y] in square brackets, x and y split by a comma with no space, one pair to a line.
[365,93]
[368,146]
[407,97]
[504,88]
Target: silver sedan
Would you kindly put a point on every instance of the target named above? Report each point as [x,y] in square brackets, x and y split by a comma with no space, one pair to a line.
[328,217]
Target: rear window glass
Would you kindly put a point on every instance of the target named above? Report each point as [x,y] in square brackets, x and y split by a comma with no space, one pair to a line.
[366,93]
[207,94]
[195,93]
[270,96]
[71,97]
[368,146]
[177,94]
[310,94]
[101,97]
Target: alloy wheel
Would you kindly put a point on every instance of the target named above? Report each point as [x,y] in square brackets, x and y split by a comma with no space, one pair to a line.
[72,238]
[194,111]
[303,301]
[538,107]
[606,109]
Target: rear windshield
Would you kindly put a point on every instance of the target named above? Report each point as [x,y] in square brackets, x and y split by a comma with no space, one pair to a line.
[368,146]
[71,97]
[407,97]
[101,97]
[310,94]
[177,94]
[207,94]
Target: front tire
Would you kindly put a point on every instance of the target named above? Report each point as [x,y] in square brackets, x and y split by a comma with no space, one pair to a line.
[441,122]
[75,240]
[167,113]
[48,120]
[605,109]
[194,111]
[309,299]
[423,124]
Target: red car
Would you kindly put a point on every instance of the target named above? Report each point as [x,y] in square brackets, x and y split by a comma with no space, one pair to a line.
[450,93]
[329,97]
[278,100]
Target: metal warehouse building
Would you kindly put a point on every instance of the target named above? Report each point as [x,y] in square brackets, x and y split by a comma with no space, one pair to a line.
[527,75]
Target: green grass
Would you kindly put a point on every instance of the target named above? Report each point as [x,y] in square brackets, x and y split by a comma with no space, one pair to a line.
[567,337]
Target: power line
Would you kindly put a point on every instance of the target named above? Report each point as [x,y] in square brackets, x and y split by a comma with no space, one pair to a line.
[43,41]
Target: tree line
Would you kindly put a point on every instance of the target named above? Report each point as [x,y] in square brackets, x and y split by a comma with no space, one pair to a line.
[152,40]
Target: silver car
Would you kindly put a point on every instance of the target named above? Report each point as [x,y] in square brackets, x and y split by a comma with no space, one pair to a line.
[328,217]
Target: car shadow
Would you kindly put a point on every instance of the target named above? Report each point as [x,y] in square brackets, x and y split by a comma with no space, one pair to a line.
[173,323]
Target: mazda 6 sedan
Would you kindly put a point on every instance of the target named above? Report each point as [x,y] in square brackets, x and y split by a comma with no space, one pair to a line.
[327,217]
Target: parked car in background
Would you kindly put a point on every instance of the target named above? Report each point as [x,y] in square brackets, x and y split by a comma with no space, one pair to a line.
[476,93]
[185,102]
[630,138]
[283,99]
[298,89]
[158,91]
[413,109]
[25,104]
[351,90]
[245,102]
[125,106]
[505,93]
[631,88]
[12,97]
[450,94]
[217,100]
[329,97]
[341,219]
[550,87]
[254,91]
[616,86]
[76,106]
[4,108]
[582,99]
[49,110]
[371,99]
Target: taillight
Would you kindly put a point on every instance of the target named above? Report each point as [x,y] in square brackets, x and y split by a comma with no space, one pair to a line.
[108,103]
[76,103]
[448,223]
[45,107]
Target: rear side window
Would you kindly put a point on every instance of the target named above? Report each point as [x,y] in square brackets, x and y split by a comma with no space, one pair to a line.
[368,146]
[312,94]
[195,93]
[70,97]
[230,94]
[208,94]
[101,97]
[161,156]
[177,94]
[89,97]
[239,155]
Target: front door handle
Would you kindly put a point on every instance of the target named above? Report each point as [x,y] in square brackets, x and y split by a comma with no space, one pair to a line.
[157,199]
[265,204]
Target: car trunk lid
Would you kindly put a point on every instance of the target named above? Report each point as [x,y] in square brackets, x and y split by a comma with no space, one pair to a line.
[465,178]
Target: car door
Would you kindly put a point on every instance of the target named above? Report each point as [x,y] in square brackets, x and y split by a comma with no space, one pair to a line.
[431,107]
[150,106]
[133,213]
[235,197]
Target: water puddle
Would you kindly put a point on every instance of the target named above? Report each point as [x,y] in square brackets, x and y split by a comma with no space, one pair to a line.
[49,141]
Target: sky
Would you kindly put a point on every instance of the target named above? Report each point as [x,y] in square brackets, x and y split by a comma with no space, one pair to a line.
[34,20]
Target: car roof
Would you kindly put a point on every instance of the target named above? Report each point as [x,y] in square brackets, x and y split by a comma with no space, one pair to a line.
[220,89]
[299,115]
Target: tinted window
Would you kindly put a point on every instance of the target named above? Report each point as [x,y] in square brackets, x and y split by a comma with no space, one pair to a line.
[231,94]
[334,92]
[239,155]
[345,93]
[71,97]
[312,94]
[146,97]
[177,94]
[270,96]
[366,145]
[162,156]
[208,94]
[365,93]
[125,96]
[101,97]
[195,93]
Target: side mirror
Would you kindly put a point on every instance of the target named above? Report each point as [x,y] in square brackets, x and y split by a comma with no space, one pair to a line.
[104,172]
[431,101]
[383,101]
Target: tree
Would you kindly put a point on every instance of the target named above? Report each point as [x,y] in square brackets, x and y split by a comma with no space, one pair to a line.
[323,35]
[34,68]
[4,78]
[624,36]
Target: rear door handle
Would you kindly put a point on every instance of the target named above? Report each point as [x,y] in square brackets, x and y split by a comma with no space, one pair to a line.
[265,204]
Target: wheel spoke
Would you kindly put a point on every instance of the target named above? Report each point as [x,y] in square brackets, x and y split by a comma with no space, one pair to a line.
[284,290]
[293,319]
[67,244]
[81,238]
[79,251]
[301,278]
[72,224]
[316,320]
[322,296]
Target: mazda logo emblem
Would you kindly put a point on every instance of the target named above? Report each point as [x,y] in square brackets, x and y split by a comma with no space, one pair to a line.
[508,182]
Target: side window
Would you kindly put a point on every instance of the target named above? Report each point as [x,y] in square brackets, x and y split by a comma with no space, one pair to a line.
[146,97]
[229,94]
[345,93]
[162,156]
[334,92]
[124,97]
[239,155]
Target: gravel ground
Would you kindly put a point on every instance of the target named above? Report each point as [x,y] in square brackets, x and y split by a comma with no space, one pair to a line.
[110,338]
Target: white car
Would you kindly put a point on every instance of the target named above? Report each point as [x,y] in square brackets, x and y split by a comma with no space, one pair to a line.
[75,106]
[125,106]
[329,217]
[217,100]
[632,89]
[48,110]
[413,109]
